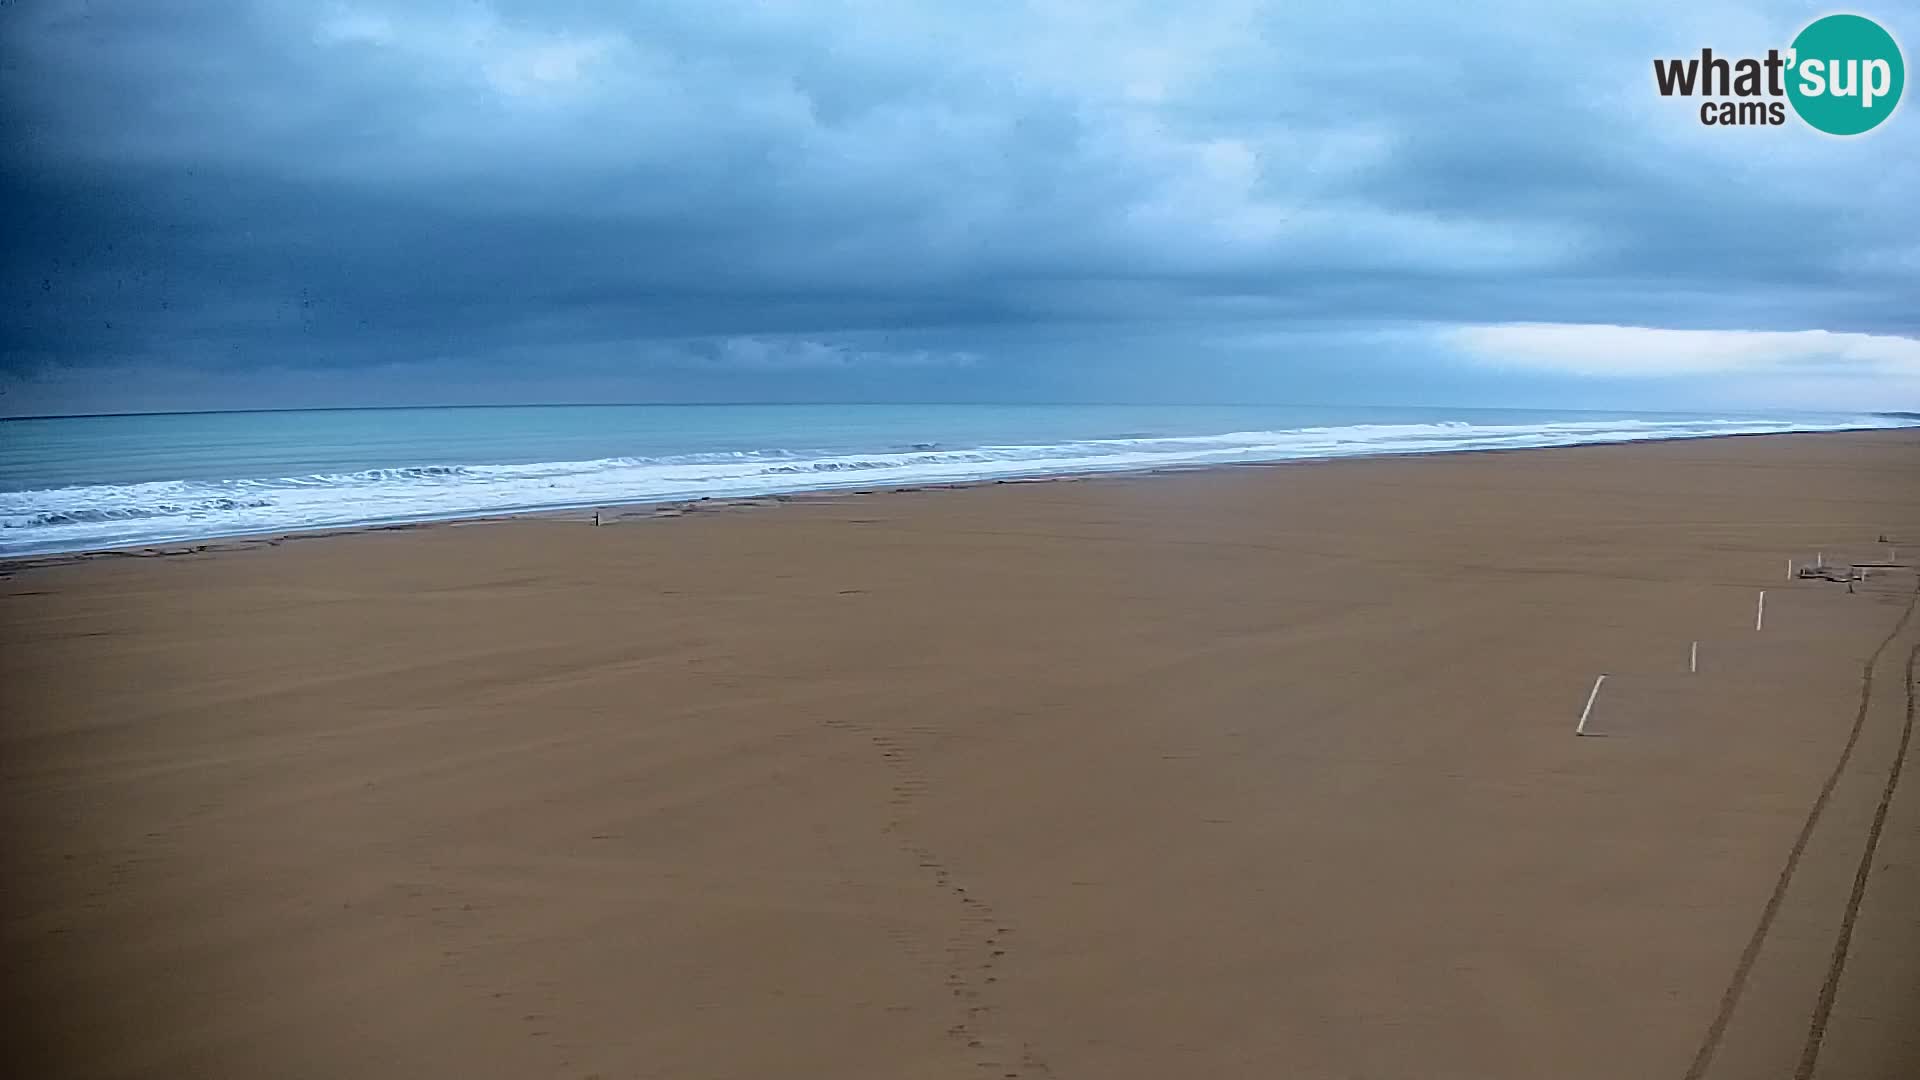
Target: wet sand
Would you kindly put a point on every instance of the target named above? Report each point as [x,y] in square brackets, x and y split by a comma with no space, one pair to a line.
[1249,772]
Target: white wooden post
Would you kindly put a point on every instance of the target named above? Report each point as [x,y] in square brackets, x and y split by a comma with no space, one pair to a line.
[1581,727]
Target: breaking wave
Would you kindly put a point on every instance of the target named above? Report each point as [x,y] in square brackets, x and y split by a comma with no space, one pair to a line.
[112,515]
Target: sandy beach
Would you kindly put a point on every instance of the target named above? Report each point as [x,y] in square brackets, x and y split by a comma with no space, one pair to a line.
[1245,772]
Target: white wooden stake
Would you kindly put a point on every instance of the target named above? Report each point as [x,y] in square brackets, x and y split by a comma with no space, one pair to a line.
[1760,611]
[1819,560]
[1581,727]
[1693,659]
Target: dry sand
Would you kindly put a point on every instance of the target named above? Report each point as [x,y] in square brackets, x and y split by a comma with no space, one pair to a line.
[1257,772]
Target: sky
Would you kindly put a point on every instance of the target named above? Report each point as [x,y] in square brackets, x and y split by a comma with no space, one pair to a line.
[276,204]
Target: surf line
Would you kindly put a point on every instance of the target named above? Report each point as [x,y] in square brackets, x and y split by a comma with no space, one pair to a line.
[1730,1000]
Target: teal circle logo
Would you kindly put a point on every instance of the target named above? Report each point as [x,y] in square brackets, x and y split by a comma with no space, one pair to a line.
[1845,74]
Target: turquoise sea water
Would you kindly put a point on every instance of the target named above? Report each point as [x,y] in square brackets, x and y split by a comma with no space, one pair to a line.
[90,482]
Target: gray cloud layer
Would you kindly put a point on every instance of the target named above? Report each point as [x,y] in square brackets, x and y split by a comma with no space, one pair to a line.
[692,199]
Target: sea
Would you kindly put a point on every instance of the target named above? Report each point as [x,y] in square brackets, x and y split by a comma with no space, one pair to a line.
[81,483]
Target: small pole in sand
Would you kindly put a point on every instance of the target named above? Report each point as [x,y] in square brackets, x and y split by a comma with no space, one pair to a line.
[596,519]
[1789,569]
[1693,660]
[1581,727]
[1760,611]
[1819,560]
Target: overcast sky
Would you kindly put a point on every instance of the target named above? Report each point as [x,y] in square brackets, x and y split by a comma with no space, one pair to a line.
[270,204]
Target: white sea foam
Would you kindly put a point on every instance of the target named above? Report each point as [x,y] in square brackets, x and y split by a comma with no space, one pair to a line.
[110,515]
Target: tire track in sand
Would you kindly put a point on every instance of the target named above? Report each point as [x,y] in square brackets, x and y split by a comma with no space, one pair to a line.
[1836,968]
[1737,985]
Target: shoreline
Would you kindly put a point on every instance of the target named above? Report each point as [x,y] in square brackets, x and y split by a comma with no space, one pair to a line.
[1263,771]
[669,508]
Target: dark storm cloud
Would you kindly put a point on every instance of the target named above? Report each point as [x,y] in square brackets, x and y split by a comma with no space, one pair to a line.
[689,199]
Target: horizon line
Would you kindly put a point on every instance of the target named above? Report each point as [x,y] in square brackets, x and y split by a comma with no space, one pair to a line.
[901,404]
